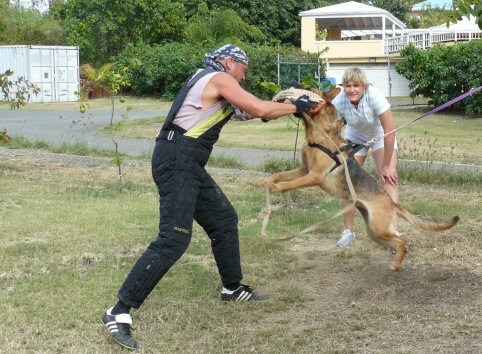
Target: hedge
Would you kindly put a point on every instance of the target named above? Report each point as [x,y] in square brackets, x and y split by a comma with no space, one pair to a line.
[161,70]
[444,72]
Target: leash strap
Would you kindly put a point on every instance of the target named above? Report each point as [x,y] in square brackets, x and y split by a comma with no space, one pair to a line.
[439,108]
[308,229]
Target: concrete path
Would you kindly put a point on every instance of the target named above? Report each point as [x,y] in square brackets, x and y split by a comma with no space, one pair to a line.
[56,127]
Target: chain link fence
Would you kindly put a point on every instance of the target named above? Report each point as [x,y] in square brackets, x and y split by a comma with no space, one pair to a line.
[295,68]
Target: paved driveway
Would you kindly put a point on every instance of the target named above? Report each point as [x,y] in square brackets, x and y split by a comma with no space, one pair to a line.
[56,127]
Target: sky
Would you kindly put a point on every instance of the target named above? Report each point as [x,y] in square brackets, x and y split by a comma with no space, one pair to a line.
[433,4]
[42,5]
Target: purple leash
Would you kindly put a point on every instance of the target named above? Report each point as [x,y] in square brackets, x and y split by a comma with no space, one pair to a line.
[439,108]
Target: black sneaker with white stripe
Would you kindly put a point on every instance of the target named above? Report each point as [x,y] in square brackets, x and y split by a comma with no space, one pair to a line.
[120,328]
[243,293]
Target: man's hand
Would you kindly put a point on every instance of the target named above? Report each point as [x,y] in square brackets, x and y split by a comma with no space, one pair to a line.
[303,103]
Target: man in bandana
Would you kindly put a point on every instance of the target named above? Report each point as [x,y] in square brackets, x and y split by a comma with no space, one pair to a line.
[208,100]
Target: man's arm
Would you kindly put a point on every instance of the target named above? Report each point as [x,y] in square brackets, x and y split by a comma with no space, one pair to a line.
[225,86]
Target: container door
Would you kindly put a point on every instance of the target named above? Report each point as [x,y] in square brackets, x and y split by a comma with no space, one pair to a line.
[41,73]
[66,64]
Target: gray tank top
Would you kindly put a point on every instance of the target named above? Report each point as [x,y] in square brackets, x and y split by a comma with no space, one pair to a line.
[191,113]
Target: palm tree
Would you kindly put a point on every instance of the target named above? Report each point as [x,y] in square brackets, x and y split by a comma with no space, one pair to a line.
[218,26]
[97,77]
[432,16]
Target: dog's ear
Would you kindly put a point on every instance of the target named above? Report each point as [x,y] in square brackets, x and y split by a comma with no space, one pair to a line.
[297,85]
[330,95]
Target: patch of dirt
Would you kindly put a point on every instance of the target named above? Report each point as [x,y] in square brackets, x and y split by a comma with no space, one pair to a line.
[366,307]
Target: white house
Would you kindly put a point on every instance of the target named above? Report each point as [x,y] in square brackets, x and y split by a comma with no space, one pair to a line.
[371,38]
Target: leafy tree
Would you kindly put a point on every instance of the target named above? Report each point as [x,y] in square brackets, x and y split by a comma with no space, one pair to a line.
[465,8]
[442,73]
[432,16]
[164,68]
[3,16]
[26,26]
[218,26]
[429,16]
[16,92]
[103,28]
[279,21]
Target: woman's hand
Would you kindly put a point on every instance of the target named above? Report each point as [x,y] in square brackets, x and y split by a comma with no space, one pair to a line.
[389,175]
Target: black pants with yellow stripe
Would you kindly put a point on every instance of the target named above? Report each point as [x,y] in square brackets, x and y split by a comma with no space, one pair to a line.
[187,192]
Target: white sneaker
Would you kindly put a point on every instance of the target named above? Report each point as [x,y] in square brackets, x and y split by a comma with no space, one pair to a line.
[347,237]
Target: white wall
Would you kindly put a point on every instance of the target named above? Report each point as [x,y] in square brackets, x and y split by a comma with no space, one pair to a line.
[378,75]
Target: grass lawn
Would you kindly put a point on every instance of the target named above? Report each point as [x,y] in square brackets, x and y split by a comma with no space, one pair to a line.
[69,238]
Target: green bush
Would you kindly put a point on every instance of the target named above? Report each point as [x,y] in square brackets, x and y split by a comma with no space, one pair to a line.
[163,69]
[442,73]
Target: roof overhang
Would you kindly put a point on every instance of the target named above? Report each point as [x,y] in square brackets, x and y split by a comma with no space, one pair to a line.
[354,16]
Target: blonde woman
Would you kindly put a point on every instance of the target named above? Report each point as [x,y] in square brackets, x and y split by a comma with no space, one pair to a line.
[368,115]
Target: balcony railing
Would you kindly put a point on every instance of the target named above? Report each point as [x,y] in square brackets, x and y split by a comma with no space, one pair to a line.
[427,39]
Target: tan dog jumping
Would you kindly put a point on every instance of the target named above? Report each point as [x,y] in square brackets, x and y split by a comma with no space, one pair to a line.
[323,166]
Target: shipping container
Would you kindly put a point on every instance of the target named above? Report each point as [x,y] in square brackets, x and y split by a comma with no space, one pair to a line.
[55,69]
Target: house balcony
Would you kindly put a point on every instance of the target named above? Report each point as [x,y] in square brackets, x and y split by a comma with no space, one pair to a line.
[426,39]
[391,46]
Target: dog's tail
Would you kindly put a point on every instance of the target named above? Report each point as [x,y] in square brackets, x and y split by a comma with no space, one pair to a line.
[423,224]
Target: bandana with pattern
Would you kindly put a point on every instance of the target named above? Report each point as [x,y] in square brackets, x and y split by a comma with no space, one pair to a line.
[226,51]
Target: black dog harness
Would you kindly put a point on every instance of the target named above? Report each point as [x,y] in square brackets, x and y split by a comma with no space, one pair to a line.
[354,147]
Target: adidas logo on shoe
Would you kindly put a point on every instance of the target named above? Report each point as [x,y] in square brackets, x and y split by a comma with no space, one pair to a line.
[120,328]
[243,293]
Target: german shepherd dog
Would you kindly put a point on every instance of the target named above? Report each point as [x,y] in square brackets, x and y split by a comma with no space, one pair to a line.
[326,169]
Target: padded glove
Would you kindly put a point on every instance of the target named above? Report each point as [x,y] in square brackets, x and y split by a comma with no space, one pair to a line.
[303,104]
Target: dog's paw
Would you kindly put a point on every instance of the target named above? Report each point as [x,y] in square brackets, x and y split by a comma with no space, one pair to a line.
[274,187]
[258,182]
[395,265]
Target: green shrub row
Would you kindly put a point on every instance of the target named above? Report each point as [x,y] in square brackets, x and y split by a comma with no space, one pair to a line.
[161,70]
[444,72]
